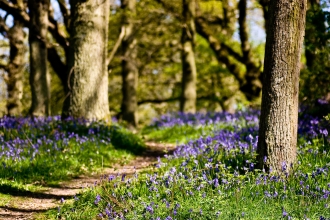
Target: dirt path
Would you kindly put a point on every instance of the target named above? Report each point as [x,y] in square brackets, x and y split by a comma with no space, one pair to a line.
[25,206]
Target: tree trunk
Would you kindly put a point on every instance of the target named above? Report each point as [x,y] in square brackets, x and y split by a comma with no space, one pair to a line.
[264,4]
[252,85]
[39,77]
[15,68]
[189,72]
[88,92]
[130,72]
[279,109]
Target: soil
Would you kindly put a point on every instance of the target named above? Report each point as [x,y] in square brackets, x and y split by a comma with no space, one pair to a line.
[27,205]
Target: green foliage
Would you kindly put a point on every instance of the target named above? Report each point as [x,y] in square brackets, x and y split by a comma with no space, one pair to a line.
[180,134]
[315,79]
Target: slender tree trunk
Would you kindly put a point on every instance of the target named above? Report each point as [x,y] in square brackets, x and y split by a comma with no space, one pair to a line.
[265,5]
[130,72]
[88,76]
[189,72]
[15,68]
[39,77]
[252,85]
[279,110]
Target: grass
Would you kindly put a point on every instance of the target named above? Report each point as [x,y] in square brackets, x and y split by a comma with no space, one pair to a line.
[213,177]
[180,134]
[44,152]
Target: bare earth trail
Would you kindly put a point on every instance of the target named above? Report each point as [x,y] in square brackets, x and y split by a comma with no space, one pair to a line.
[26,205]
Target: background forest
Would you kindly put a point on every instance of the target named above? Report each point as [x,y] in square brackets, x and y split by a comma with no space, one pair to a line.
[149,73]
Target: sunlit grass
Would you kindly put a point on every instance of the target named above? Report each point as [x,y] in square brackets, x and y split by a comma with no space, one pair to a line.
[180,134]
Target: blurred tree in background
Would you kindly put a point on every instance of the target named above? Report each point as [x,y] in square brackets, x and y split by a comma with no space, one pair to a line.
[39,76]
[315,76]
[228,52]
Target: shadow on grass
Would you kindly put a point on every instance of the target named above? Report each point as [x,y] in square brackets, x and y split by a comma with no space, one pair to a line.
[122,138]
[9,216]
[17,191]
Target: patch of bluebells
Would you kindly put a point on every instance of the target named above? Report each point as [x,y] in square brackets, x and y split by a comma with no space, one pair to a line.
[308,125]
[215,168]
[180,118]
[25,139]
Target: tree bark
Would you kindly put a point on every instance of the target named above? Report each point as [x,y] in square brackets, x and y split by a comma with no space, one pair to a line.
[279,109]
[130,72]
[88,76]
[189,72]
[39,76]
[15,68]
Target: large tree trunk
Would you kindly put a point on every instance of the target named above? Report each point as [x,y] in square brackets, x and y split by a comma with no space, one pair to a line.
[39,77]
[88,76]
[189,72]
[279,110]
[15,68]
[129,68]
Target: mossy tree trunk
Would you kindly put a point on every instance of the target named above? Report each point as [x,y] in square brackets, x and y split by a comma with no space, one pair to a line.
[189,72]
[39,76]
[15,68]
[88,75]
[279,109]
[130,72]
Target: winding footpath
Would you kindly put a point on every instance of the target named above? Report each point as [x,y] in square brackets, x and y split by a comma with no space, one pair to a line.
[27,205]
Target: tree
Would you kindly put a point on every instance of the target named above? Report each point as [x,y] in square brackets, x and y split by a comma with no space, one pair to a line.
[129,72]
[15,68]
[279,109]
[16,62]
[39,76]
[218,30]
[315,79]
[189,72]
[88,75]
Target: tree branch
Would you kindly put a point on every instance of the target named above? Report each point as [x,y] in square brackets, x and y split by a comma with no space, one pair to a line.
[15,11]
[53,28]
[117,44]
[65,13]
[3,27]
[221,51]
[58,66]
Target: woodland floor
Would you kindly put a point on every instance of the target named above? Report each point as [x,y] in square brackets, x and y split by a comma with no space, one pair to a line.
[26,205]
